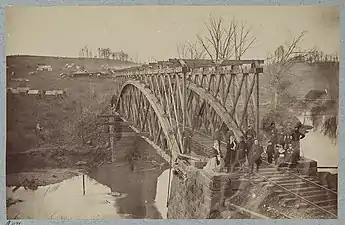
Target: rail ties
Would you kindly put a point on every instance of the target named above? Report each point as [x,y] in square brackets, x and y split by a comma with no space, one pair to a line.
[291,187]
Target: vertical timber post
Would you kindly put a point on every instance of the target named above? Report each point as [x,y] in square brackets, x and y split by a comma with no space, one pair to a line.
[111,137]
[245,97]
[184,108]
[257,104]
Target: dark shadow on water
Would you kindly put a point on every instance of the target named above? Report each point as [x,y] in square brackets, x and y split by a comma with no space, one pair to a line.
[140,184]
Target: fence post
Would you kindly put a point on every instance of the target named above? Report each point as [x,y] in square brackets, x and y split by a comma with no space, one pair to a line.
[83,184]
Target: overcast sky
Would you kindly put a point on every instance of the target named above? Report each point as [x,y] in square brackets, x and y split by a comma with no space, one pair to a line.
[155,31]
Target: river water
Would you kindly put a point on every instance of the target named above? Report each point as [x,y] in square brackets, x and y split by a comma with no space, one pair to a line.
[113,191]
[65,200]
[319,147]
[322,149]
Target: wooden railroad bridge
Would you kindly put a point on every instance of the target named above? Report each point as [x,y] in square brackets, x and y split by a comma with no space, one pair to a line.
[179,99]
[168,103]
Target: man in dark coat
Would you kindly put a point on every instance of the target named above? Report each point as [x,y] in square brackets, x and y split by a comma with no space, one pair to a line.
[255,156]
[281,136]
[270,151]
[112,101]
[296,137]
[241,152]
[230,156]
[250,133]
[274,139]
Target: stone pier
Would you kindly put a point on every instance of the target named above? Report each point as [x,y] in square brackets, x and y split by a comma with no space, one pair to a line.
[197,194]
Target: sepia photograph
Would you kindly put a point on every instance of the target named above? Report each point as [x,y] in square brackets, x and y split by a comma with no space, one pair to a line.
[172,112]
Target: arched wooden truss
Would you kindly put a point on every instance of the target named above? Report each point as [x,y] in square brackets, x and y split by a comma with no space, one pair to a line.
[143,110]
[168,102]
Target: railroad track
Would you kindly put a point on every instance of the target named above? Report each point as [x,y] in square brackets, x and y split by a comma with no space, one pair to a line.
[299,190]
[291,188]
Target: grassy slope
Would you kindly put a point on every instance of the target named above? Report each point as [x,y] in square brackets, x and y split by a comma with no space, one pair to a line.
[302,79]
[58,117]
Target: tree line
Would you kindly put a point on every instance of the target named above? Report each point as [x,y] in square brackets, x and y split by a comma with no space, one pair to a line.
[104,53]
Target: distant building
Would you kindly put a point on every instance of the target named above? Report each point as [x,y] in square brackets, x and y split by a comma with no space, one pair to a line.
[44,68]
[56,93]
[23,90]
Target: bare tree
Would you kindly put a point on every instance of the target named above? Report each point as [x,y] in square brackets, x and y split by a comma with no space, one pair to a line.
[224,41]
[189,50]
[280,63]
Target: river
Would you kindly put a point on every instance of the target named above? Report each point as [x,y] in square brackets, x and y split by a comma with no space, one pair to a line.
[65,200]
[113,191]
[322,149]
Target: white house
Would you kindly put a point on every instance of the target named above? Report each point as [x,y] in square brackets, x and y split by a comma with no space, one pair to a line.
[44,68]
[55,93]
[23,90]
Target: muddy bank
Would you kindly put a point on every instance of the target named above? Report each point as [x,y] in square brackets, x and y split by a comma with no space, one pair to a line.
[42,167]
[40,177]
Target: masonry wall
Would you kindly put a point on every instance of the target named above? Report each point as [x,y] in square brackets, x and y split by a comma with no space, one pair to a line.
[196,193]
[199,194]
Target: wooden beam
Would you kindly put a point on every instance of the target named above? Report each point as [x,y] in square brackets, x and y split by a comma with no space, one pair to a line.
[247,101]
[237,96]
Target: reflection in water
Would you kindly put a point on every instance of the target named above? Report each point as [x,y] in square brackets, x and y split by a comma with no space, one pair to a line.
[140,186]
[137,178]
[162,192]
[320,148]
[143,180]
[64,200]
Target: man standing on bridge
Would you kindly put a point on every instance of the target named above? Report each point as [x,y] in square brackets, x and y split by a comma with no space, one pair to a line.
[255,156]
[281,136]
[297,135]
[230,156]
[250,135]
[112,101]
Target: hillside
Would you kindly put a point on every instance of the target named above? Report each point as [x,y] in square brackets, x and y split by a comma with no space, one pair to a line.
[30,62]
[301,79]
[60,118]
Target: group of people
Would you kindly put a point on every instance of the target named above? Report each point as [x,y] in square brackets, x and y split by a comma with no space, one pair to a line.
[282,147]
[238,153]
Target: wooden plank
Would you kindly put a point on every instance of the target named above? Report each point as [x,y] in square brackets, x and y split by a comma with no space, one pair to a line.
[240,62]
[105,115]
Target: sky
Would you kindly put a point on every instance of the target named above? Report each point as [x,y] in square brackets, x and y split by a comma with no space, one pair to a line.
[153,32]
